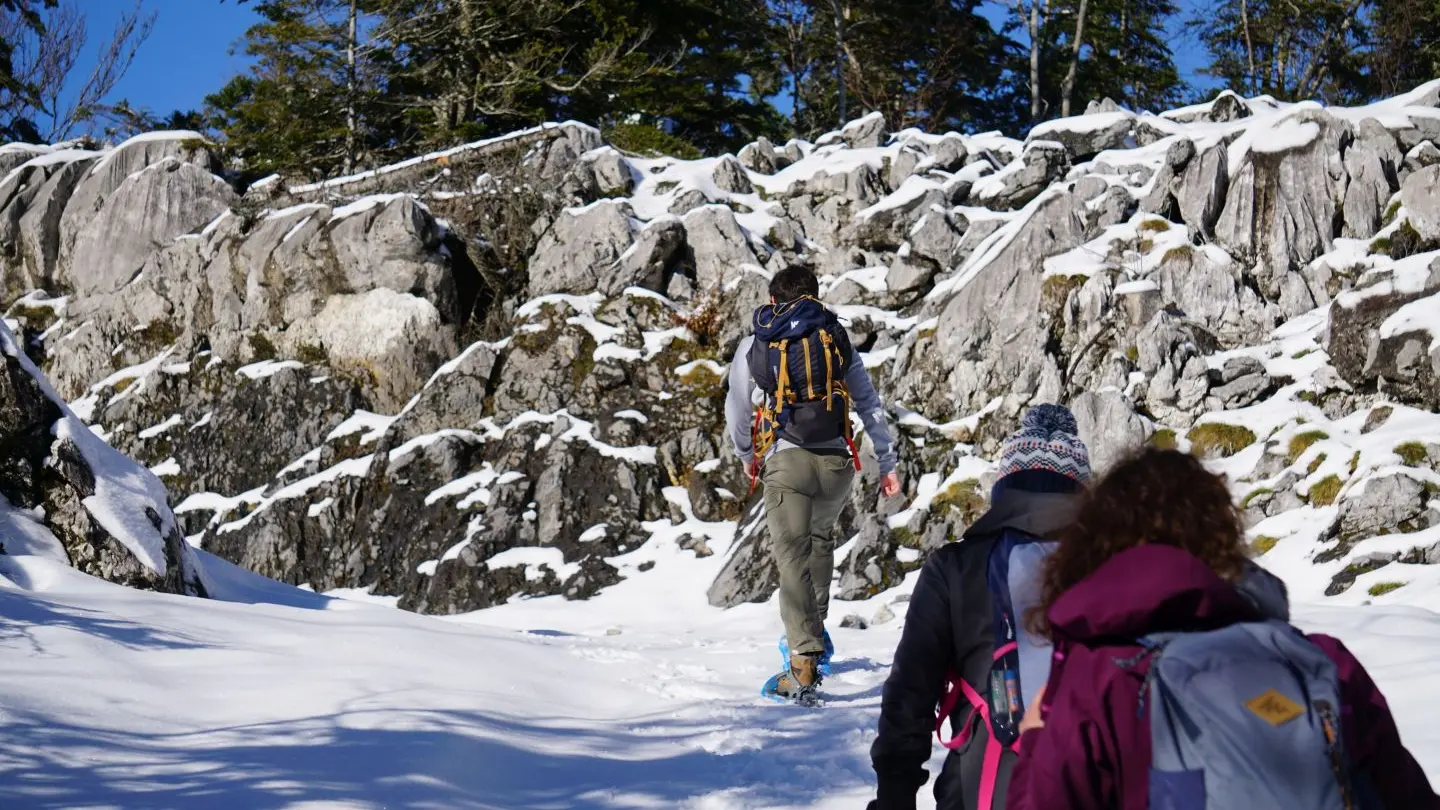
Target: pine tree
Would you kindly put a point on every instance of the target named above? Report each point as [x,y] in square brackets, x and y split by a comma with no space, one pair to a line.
[1079,50]
[1291,49]
[472,68]
[708,72]
[1406,48]
[934,64]
[311,104]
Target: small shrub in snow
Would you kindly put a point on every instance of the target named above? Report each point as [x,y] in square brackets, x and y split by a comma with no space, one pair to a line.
[707,319]
[1154,225]
[1382,588]
[1217,439]
[650,141]
[1404,243]
[1177,253]
[37,319]
[703,381]
[964,496]
[1315,465]
[1377,418]
[1325,492]
[1302,442]
[1413,454]
[1263,544]
[1254,496]
[1164,439]
[904,537]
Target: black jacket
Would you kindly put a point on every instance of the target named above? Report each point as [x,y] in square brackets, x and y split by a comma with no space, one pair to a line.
[948,628]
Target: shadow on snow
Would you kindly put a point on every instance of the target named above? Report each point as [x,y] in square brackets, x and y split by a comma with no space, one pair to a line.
[424,760]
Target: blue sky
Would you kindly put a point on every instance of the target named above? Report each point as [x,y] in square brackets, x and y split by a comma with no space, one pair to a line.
[189,54]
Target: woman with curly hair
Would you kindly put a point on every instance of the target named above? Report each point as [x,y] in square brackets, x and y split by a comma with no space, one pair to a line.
[1177,681]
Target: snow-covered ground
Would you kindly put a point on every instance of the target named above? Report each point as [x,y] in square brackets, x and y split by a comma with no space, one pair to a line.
[644,697]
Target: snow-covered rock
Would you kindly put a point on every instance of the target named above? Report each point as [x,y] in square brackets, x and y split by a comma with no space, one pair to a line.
[1421,198]
[82,502]
[341,388]
[1086,136]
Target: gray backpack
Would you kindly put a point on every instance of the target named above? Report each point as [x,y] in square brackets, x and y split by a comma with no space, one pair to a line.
[1246,716]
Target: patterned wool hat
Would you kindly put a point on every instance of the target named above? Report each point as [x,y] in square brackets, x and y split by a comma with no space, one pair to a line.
[1048,440]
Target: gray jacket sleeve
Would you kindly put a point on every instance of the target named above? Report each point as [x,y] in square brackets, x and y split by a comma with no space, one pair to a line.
[871,410]
[739,409]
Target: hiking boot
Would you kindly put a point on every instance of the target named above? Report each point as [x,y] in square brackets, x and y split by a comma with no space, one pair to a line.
[825,657]
[803,678]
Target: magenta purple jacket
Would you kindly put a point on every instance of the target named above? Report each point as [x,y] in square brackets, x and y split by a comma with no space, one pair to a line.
[1094,752]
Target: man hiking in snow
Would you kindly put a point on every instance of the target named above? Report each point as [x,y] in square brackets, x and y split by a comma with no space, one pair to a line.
[799,443]
[963,620]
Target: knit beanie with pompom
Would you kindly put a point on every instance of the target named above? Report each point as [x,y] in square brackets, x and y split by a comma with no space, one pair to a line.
[1045,454]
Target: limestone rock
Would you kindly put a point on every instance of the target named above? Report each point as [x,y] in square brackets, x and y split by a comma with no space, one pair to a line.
[1089,135]
[222,428]
[581,248]
[1368,356]
[885,225]
[720,247]
[730,176]
[760,157]
[1041,164]
[991,334]
[1389,503]
[1281,205]
[934,238]
[1421,198]
[871,566]
[1203,188]
[1203,283]
[1372,163]
[862,133]
[1109,427]
[55,476]
[604,174]
[150,208]
[750,574]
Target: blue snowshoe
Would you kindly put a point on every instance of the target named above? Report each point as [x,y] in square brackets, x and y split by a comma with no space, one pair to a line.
[787,686]
[824,657]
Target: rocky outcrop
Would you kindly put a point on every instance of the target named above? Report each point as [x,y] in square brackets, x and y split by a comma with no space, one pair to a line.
[1420,197]
[343,386]
[1285,193]
[97,510]
[1376,344]
[1089,135]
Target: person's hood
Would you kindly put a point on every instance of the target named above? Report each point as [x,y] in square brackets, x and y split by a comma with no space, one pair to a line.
[1151,589]
[1041,514]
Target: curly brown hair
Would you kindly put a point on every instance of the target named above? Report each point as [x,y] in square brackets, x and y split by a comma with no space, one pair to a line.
[1162,497]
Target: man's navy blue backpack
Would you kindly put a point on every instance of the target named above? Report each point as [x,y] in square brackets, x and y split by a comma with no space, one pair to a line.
[1021,663]
[799,358]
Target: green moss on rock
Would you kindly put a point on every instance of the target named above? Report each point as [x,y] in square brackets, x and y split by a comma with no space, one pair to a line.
[1218,439]
[1382,588]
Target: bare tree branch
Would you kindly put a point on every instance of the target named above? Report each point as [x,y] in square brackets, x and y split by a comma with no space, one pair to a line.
[46,59]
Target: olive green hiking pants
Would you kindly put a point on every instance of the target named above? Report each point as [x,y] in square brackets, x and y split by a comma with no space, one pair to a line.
[804,493]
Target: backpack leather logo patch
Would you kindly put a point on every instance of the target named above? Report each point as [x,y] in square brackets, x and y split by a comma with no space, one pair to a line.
[1274,708]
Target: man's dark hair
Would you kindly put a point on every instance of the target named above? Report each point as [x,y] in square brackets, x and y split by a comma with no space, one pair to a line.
[794,282]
